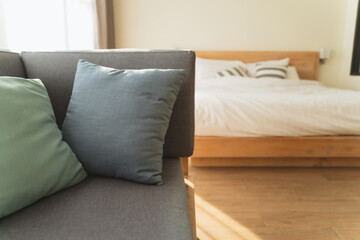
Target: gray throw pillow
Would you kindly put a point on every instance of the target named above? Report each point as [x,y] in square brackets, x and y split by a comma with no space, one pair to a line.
[117,120]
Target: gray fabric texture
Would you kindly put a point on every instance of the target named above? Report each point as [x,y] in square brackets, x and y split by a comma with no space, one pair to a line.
[11,65]
[109,209]
[100,207]
[117,120]
[57,71]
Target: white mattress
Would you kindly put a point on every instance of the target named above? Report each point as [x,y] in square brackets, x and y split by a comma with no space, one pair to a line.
[238,107]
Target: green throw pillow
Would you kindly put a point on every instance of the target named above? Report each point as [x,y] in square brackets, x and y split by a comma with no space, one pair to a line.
[34,161]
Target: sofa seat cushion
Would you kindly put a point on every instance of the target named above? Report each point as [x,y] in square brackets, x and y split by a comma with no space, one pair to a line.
[107,208]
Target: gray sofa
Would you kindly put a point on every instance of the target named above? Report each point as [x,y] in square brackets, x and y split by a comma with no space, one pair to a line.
[100,207]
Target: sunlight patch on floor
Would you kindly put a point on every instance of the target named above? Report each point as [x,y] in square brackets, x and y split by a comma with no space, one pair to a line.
[212,223]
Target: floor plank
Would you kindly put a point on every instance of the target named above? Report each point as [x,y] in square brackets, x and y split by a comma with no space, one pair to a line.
[277,203]
[348,233]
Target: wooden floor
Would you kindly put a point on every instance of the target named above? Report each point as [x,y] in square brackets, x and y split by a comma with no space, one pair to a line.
[277,203]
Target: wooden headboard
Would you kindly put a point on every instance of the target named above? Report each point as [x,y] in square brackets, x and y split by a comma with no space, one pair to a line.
[306,63]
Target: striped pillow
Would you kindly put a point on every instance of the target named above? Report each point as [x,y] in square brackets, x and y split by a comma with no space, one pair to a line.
[271,71]
[233,71]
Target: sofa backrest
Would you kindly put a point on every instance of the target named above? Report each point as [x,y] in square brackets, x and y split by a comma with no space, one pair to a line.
[11,65]
[57,71]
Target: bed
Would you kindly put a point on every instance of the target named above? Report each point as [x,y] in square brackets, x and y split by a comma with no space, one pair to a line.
[261,148]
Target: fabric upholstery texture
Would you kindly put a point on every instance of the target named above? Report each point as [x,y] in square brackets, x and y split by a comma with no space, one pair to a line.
[11,65]
[34,161]
[107,208]
[117,120]
[57,71]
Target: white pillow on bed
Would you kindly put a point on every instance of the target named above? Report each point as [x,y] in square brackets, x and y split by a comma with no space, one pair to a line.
[252,66]
[271,71]
[238,71]
[207,68]
[292,73]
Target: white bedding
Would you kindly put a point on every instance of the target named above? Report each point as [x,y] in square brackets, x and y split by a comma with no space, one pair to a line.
[238,107]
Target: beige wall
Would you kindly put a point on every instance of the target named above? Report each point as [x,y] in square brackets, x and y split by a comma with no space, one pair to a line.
[237,25]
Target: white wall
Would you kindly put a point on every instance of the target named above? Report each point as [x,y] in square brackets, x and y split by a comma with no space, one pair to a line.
[3,41]
[236,25]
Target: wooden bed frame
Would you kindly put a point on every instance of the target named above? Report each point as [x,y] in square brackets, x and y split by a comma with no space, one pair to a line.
[276,151]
